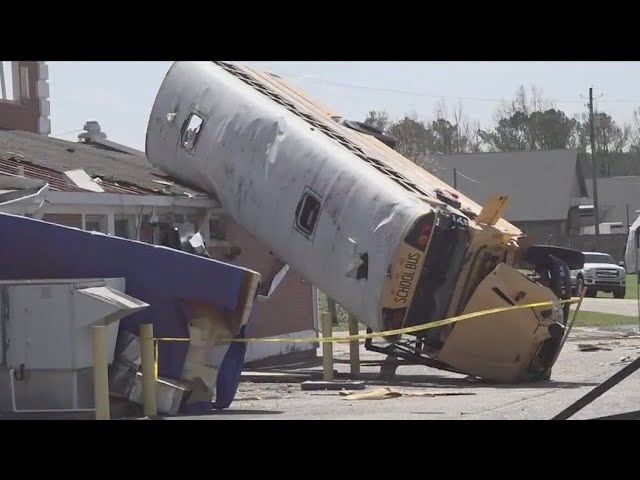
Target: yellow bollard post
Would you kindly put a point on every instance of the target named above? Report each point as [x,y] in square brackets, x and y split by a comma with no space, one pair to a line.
[354,346]
[327,348]
[100,373]
[149,399]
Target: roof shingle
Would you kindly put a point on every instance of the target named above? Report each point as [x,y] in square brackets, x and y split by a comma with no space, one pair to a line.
[47,158]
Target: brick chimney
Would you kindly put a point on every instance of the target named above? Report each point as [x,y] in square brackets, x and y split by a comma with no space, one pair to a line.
[24,97]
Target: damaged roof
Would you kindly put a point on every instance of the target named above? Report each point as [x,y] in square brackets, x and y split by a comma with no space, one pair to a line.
[47,158]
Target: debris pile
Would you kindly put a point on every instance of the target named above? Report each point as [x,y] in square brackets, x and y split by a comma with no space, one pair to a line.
[191,300]
[389,392]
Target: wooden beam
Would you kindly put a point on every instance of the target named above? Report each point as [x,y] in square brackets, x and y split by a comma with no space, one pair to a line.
[493,210]
[327,348]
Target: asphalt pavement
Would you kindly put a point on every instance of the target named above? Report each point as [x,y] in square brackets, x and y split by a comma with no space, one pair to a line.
[575,373]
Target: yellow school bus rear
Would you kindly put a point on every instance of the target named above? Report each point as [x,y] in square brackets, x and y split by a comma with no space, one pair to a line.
[448,267]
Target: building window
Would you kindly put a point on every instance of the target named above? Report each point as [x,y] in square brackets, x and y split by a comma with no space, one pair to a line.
[191,131]
[95,223]
[7,91]
[125,226]
[307,213]
[217,229]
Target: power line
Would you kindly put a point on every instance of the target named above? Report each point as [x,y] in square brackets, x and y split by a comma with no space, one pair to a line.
[390,90]
[620,101]
[425,94]
[65,133]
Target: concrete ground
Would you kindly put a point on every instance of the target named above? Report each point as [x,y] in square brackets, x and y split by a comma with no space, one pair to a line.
[272,394]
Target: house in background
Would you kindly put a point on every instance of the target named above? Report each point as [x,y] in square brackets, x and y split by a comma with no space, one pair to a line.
[99,185]
[618,202]
[549,196]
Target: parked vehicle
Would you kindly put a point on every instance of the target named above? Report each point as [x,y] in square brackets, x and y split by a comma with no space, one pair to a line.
[600,274]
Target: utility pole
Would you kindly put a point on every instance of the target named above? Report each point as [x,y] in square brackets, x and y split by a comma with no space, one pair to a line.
[628,222]
[594,173]
[455,178]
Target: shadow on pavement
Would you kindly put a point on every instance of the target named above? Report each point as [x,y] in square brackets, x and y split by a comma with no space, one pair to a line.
[230,412]
[448,382]
[298,371]
[434,381]
[620,416]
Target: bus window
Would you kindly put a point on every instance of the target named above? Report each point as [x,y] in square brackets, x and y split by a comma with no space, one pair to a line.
[190,131]
[307,214]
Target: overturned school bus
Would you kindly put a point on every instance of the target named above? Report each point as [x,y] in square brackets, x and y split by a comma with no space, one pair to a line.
[391,243]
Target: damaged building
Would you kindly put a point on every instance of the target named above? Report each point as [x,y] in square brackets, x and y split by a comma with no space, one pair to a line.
[99,185]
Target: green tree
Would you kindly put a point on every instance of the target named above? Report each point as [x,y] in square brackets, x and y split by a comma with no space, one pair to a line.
[378,119]
[530,122]
[415,140]
[611,142]
[418,140]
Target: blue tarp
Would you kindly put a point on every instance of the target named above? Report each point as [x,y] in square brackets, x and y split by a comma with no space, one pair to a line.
[162,277]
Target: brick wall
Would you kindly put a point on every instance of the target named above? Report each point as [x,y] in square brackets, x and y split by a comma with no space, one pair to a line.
[67,219]
[25,114]
[290,309]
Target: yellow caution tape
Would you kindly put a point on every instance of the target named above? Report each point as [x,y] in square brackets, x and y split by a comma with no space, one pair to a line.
[155,349]
[400,331]
[387,333]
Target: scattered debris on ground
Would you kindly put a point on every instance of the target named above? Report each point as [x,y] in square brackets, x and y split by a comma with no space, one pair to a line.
[334,385]
[388,392]
[588,347]
[255,398]
[281,376]
[376,394]
[623,360]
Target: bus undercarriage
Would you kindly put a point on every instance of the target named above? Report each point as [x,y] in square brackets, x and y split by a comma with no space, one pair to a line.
[489,283]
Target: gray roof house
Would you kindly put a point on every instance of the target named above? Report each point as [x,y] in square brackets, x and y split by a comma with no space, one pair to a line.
[546,187]
[614,195]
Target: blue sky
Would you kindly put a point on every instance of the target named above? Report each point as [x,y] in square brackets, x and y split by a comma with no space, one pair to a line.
[120,94]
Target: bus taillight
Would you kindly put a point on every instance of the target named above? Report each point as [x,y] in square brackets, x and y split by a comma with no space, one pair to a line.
[423,239]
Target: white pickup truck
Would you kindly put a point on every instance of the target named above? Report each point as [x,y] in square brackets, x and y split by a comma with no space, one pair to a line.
[600,274]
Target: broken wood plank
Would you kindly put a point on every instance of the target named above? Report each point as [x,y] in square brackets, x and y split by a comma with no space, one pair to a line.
[493,210]
[388,392]
[376,394]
